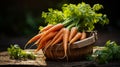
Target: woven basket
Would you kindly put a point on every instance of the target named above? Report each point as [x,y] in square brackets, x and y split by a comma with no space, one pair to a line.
[78,51]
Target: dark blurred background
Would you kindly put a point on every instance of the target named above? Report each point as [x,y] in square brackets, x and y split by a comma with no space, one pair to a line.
[20,19]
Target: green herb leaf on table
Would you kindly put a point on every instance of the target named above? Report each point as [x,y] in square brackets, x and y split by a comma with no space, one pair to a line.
[16,52]
[109,52]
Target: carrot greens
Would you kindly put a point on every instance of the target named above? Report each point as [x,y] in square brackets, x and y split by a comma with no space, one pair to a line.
[81,15]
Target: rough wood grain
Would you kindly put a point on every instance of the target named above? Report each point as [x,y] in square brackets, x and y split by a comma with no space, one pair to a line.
[40,60]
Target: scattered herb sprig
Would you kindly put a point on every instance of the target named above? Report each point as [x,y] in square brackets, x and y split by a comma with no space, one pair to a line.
[16,52]
[109,52]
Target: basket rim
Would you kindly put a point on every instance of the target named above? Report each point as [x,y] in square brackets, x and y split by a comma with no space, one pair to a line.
[87,41]
[91,39]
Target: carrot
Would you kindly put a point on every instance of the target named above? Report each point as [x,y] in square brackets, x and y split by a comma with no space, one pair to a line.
[75,38]
[54,28]
[83,35]
[33,39]
[47,27]
[46,42]
[47,37]
[56,39]
[40,47]
[55,42]
[46,46]
[73,32]
[57,35]
[56,50]
[65,42]
[36,43]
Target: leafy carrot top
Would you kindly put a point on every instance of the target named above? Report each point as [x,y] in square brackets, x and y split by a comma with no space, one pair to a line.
[82,16]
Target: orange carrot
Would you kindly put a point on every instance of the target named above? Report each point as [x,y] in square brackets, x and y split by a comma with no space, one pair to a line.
[65,41]
[47,27]
[48,36]
[40,46]
[46,46]
[75,38]
[58,40]
[36,43]
[33,39]
[54,28]
[73,32]
[83,35]
[56,50]
[57,36]
[44,42]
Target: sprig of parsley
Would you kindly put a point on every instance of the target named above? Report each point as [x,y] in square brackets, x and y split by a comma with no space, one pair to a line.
[16,52]
[110,52]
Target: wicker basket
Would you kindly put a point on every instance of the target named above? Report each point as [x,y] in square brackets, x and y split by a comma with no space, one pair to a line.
[77,51]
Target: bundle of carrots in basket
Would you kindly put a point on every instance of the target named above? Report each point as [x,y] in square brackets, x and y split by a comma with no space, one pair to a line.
[54,34]
[67,26]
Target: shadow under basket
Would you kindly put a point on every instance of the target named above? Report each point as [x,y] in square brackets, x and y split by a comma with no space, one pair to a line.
[77,51]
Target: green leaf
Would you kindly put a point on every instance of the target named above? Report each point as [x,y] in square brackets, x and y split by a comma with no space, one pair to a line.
[97,7]
[88,16]
[110,52]
[16,52]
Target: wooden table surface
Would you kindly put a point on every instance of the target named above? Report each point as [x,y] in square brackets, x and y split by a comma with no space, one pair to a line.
[42,62]
[40,59]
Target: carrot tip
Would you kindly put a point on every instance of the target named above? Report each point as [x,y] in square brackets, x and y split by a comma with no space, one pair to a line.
[32,46]
[44,50]
[25,46]
[65,56]
[35,51]
[69,49]
[62,57]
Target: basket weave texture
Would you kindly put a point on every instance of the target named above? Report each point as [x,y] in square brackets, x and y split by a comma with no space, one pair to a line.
[78,51]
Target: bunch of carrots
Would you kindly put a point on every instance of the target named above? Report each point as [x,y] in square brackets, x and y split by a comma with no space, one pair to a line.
[54,34]
[70,25]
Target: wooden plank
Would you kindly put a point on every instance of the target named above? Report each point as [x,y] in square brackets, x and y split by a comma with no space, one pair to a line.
[40,59]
